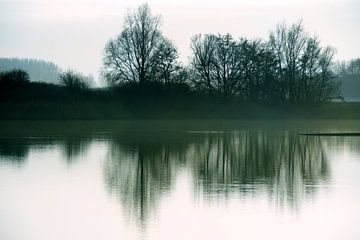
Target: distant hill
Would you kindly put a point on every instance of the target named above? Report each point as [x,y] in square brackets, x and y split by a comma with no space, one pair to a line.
[38,70]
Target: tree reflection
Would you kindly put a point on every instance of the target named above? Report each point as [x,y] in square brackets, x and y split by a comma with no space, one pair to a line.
[74,147]
[139,172]
[14,150]
[283,165]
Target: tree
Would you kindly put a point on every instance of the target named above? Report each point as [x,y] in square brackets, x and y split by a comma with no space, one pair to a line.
[166,65]
[243,69]
[353,67]
[347,69]
[140,51]
[304,67]
[329,88]
[13,79]
[216,65]
[259,72]
[348,75]
[74,81]
[287,44]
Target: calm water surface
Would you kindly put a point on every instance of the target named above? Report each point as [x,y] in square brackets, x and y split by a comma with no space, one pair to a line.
[246,183]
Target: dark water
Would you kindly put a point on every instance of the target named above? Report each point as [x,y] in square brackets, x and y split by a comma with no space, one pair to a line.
[248,183]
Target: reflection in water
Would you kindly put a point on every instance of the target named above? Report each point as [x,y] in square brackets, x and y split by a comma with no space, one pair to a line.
[139,171]
[74,147]
[14,150]
[284,165]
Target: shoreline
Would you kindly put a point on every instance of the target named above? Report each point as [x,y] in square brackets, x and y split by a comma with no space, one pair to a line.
[115,110]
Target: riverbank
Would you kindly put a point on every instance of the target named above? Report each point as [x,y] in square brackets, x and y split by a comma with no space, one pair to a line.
[156,128]
[116,110]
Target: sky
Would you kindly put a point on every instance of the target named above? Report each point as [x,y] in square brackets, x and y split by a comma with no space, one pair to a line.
[73,33]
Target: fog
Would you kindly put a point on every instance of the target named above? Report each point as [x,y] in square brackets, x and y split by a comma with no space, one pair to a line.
[73,34]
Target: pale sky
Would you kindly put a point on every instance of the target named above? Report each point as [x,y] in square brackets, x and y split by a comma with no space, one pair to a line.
[73,33]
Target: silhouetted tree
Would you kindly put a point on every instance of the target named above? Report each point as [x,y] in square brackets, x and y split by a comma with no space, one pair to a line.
[166,65]
[140,53]
[217,65]
[304,68]
[261,83]
[73,80]
[13,79]
[329,89]
[241,69]
[288,43]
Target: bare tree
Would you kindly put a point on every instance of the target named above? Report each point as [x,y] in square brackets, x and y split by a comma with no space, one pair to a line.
[137,53]
[202,59]
[304,67]
[74,81]
[166,66]
[288,44]
[329,88]
[217,65]
[260,72]
[244,69]
[348,74]
[353,68]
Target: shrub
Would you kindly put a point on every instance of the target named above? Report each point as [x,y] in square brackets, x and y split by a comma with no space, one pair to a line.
[13,79]
[73,80]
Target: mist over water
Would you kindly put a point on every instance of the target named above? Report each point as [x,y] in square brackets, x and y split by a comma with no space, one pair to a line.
[180,185]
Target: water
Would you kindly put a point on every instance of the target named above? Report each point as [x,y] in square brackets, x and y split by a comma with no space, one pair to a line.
[248,182]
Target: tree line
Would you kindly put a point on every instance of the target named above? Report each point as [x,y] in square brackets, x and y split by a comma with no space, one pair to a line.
[289,67]
[38,70]
[348,73]
[14,71]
